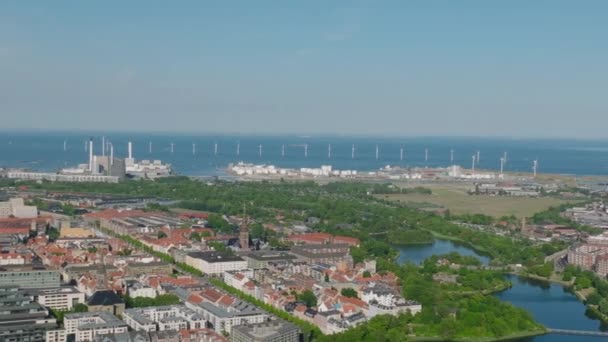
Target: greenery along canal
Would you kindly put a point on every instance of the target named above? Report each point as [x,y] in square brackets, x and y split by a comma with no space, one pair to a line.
[550,304]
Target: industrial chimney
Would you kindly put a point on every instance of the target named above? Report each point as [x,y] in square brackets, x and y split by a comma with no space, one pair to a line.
[91,155]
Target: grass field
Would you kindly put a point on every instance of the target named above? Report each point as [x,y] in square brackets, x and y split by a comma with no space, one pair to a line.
[458,201]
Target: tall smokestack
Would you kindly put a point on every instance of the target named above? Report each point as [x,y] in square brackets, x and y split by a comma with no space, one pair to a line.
[103,146]
[91,155]
[130,150]
[111,154]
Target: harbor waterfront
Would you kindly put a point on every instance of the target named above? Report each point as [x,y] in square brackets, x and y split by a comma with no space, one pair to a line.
[209,155]
[550,304]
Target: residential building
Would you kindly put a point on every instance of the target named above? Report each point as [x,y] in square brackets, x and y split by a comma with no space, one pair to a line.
[215,262]
[59,298]
[139,290]
[87,325]
[161,318]
[382,300]
[272,331]
[222,319]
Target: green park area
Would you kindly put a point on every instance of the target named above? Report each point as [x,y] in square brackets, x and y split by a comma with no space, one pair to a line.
[458,201]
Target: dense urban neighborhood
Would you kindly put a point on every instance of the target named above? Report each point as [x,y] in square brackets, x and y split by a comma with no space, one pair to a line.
[184,260]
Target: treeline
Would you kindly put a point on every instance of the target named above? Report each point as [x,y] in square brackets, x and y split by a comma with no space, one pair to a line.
[160,300]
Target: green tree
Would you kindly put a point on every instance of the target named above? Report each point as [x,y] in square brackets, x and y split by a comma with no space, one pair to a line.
[79,307]
[309,298]
[366,274]
[161,234]
[349,292]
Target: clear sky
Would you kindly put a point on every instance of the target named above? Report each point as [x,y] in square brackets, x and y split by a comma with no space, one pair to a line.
[478,68]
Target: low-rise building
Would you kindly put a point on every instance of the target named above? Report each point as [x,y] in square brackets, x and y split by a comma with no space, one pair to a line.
[223,319]
[58,298]
[139,290]
[215,262]
[86,325]
[272,331]
[161,318]
[326,253]
[106,301]
[259,259]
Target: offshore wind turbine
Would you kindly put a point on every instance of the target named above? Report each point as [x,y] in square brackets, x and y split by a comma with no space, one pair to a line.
[352,152]
[238,148]
[172,147]
[478,157]
[534,166]
[260,150]
[306,151]
[150,147]
[377,152]
[502,165]
[193,148]
[283,150]
[401,153]
[65,145]
[215,149]
[426,154]
[329,151]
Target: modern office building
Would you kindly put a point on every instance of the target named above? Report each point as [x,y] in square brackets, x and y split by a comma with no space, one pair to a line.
[273,331]
[22,319]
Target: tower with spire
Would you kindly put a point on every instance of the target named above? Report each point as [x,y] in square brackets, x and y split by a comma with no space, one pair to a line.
[244,231]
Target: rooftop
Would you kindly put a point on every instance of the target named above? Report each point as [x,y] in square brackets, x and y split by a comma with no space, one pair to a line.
[215,256]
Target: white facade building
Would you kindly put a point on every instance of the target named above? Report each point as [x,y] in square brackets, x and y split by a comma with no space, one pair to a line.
[161,318]
[86,325]
[59,298]
[15,207]
[222,320]
[215,262]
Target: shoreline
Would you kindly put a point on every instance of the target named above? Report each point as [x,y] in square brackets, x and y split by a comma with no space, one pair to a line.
[482,339]
[568,286]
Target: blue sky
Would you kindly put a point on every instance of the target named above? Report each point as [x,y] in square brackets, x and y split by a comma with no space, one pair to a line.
[478,68]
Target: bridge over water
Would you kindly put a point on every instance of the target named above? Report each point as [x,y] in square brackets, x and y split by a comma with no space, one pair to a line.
[578,332]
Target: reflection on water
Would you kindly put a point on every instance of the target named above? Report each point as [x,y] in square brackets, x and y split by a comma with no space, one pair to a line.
[550,304]
[418,253]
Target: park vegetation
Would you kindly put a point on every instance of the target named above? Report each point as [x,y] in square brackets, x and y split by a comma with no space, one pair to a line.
[345,208]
